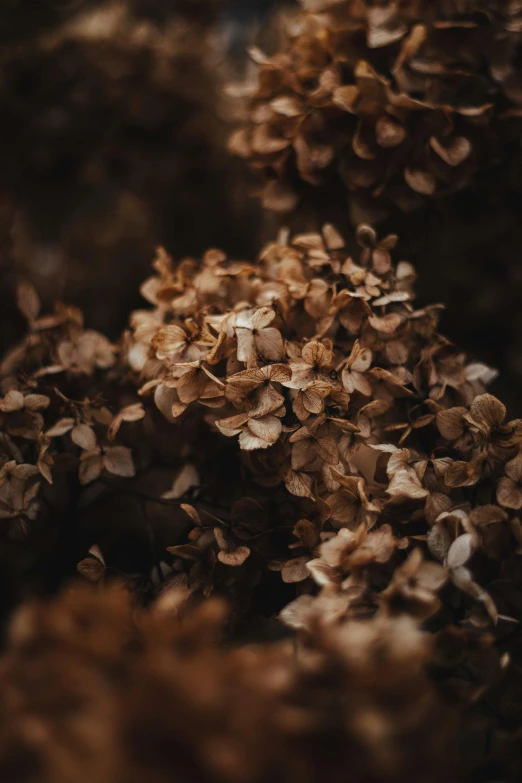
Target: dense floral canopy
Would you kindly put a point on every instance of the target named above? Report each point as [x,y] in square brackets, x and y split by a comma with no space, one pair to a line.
[393,102]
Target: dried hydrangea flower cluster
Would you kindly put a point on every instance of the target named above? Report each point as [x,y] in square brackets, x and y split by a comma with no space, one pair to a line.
[343,467]
[57,434]
[394,102]
[362,431]
[363,453]
[157,696]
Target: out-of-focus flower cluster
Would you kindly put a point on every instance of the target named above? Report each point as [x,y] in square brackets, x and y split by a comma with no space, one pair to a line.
[92,690]
[393,103]
[114,137]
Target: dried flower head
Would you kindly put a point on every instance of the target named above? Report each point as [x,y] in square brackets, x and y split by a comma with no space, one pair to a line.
[393,103]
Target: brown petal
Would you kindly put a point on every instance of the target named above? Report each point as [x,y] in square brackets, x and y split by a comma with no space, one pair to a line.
[303,453]
[24,471]
[307,533]
[299,484]
[387,324]
[316,354]
[246,348]
[509,493]
[344,507]
[28,300]
[191,385]
[262,317]
[346,97]
[296,613]
[311,401]
[91,568]
[13,401]
[169,339]
[133,412]
[302,375]
[60,428]
[405,483]
[90,467]
[287,105]
[360,358]
[322,573]
[187,478]
[247,380]
[83,436]
[389,132]
[513,468]
[279,373]
[421,181]
[185,551]
[460,551]
[36,402]
[332,238]
[453,153]
[487,409]
[432,576]
[267,427]
[450,422]
[118,460]
[439,541]
[232,425]
[265,142]
[250,442]
[327,450]
[177,409]
[295,570]
[462,474]
[266,400]
[269,344]
[164,399]
[234,558]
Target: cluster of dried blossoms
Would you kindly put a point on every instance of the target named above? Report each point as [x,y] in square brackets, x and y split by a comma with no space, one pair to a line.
[291,433]
[392,102]
[362,432]
[92,690]
[57,434]
[301,439]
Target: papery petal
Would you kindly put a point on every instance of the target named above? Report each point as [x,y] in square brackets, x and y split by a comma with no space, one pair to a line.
[249,442]
[295,570]
[246,348]
[488,410]
[509,493]
[316,354]
[83,436]
[513,468]
[118,460]
[450,422]
[268,428]
[269,344]
[232,425]
[235,557]
[262,318]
